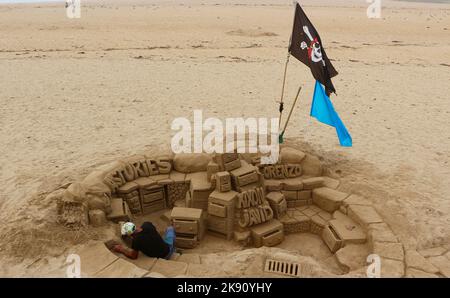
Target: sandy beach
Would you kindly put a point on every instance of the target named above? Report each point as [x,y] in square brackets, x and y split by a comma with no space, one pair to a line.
[78,93]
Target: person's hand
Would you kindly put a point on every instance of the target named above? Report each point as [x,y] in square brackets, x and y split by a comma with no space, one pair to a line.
[111,243]
[117,248]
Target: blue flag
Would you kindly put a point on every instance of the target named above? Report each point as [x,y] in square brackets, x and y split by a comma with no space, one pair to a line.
[322,109]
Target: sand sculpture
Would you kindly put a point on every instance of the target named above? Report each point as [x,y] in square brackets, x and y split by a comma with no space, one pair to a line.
[235,197]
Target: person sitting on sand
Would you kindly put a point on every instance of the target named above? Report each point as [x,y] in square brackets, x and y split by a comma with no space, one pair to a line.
[147,240]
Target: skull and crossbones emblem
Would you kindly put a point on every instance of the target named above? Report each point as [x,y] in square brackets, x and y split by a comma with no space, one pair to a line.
[314,48]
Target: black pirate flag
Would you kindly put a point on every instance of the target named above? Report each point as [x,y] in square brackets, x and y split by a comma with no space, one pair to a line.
[307,47]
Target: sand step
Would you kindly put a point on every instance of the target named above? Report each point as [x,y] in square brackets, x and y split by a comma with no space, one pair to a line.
[123,269]
[328,199]
[95,257]
[169,268]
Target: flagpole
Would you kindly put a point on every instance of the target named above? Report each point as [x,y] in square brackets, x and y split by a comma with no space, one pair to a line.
[290,113]
[282,89]
[281,108]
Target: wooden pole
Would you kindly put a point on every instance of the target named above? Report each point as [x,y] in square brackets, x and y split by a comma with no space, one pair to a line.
[282,89]
[292,109]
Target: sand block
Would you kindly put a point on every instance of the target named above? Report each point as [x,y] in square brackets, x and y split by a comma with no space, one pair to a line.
[186,213]
[353,232]
[252,186]
[170,268]
[293,212]
[217,209]
[352,257]
[341,216]
[298,214]
[153,206]
[199,181]
[165,181]
[330,182]
[267,234]
[232,165]
[328,199]
[95,257]
[278,203]
[348,231]
[221,227]
[188,241]
[312,183]
[160,177]
[119,211]
[227,157]
[290,195]
[288,223]
[331,238]
[381,232]
[302,223]
[144,182]
[275,197]
[298,203]
[200,189]
[392,268]
[292,183]
[223,181]
[177,177]
[128,187]
[129,192]
[121,268]
[310,212]
[389,250]
[222,204]
[364,215]
[228,161]
[244,176]
[189,258]
[273,185]
[317,224]
[304,195]
[189,221]
[315,208]
[211,169]
[199,204]
[325,215]
[415,260]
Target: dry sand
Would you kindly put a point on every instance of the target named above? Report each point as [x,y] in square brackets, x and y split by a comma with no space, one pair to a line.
[79,93]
